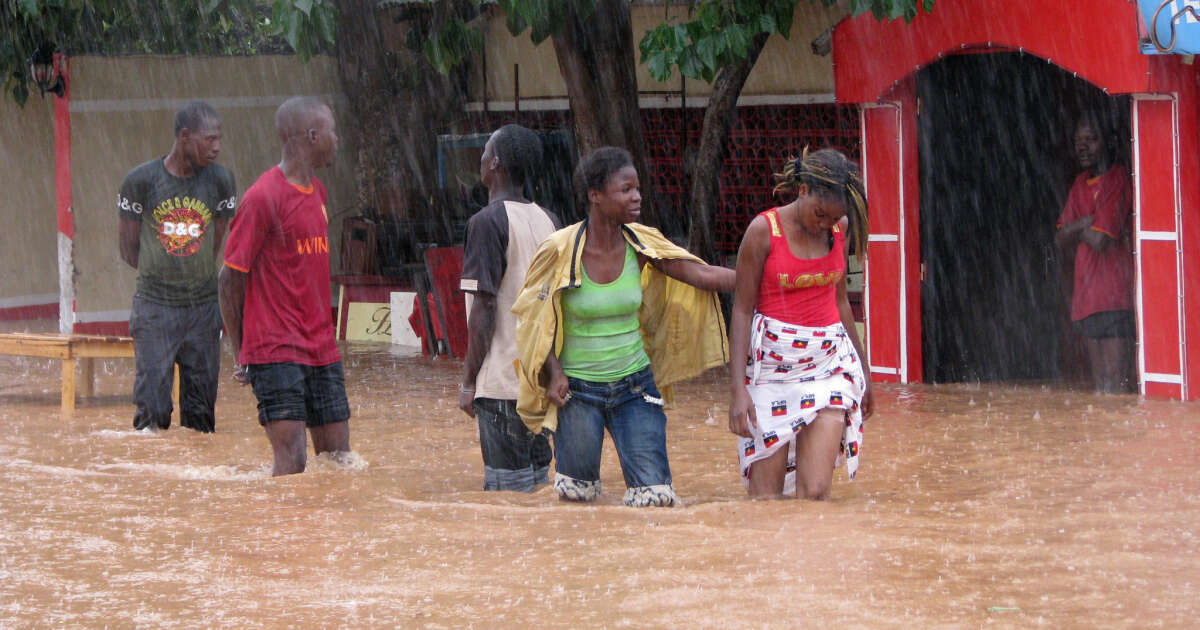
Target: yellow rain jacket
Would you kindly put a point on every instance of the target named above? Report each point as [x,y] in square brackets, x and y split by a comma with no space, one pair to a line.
[683,329]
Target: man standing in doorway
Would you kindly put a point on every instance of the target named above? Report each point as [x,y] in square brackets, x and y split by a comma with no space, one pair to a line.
[173,215]
[275,295]
[1096,226]
[500,242]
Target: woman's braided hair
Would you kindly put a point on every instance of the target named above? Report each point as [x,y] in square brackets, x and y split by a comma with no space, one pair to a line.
[830,174]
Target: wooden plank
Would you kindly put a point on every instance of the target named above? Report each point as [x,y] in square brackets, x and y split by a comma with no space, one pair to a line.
[36,340]
[68,388]
[113,339]
[57,339]
[65,346]
[52,337]
[34,348]
[102,349]
[88,369]
[69,349]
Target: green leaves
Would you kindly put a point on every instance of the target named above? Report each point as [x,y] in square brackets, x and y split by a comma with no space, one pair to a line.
[719,33]
[890,9]
[158,26]
[20,93]
[707,49]
[543,18]
[443,31]
[27,26]
[306,25]
[447,40]
[782,14]
[446,43]
[326,21]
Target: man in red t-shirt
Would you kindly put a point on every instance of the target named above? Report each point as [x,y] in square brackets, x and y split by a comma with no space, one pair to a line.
[274,293]
[1095,226]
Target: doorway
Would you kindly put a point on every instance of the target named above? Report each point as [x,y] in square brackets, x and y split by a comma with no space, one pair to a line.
[996,164]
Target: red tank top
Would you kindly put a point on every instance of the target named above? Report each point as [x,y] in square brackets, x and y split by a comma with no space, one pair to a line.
[801,291]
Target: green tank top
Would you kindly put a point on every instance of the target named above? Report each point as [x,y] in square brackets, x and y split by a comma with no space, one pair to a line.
[602,341]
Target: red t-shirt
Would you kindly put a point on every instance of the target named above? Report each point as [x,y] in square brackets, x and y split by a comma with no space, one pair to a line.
[280,237]
[1103,280]
[801,291]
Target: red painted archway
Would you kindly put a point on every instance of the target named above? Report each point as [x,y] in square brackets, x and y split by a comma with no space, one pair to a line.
[875,64]
[1096,39]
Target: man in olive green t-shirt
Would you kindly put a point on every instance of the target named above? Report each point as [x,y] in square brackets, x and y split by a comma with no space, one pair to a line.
[174,212]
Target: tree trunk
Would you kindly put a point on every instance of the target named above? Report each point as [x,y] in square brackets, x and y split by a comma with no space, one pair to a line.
[714,134]
[398,104]
[596,59]
[360,61]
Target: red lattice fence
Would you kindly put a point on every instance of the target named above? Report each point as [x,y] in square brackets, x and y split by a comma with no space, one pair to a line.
[761,139]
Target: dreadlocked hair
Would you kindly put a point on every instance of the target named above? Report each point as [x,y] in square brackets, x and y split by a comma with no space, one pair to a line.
[830,174]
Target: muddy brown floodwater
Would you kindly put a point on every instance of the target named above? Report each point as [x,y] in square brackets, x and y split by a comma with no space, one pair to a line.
[994,505]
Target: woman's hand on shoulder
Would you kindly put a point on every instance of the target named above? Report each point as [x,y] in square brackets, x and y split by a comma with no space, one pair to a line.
[752,255]
[758,228]
[756,242]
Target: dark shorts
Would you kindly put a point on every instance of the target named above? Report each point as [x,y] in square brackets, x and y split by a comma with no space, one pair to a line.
[291,391]
[1107,324]
[514,458]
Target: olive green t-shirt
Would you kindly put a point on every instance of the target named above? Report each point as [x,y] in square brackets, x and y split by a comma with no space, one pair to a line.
[177,263]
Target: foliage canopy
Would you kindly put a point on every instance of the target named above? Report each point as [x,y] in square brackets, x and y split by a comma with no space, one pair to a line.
[718,33]
[221,27]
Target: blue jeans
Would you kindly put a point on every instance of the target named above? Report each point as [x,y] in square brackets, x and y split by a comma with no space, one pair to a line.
[631,410]
[514,458]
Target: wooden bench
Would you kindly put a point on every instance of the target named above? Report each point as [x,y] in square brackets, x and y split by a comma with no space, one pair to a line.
[72,350]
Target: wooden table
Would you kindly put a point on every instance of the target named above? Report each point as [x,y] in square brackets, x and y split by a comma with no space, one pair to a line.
[72,350]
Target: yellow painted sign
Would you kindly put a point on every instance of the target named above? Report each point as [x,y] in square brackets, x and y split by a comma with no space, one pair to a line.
[369,321]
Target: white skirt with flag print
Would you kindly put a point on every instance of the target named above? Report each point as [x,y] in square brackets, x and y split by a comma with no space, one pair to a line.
[793,372]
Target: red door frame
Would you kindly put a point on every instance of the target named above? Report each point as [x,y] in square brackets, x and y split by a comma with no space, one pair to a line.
[892,282]
[1096,40]
[1154,119]
[883,285]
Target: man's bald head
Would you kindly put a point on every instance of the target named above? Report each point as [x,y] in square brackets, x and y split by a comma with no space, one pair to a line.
[297,115]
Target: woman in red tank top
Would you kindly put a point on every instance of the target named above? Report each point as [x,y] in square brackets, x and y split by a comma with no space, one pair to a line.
[799,379]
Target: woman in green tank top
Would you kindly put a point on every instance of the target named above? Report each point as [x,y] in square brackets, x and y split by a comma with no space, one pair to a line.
[602,377]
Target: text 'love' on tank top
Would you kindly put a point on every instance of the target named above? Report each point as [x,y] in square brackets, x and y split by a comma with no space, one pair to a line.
[801,291]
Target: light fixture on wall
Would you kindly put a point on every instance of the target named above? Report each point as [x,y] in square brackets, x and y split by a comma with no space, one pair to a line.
[43,73]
